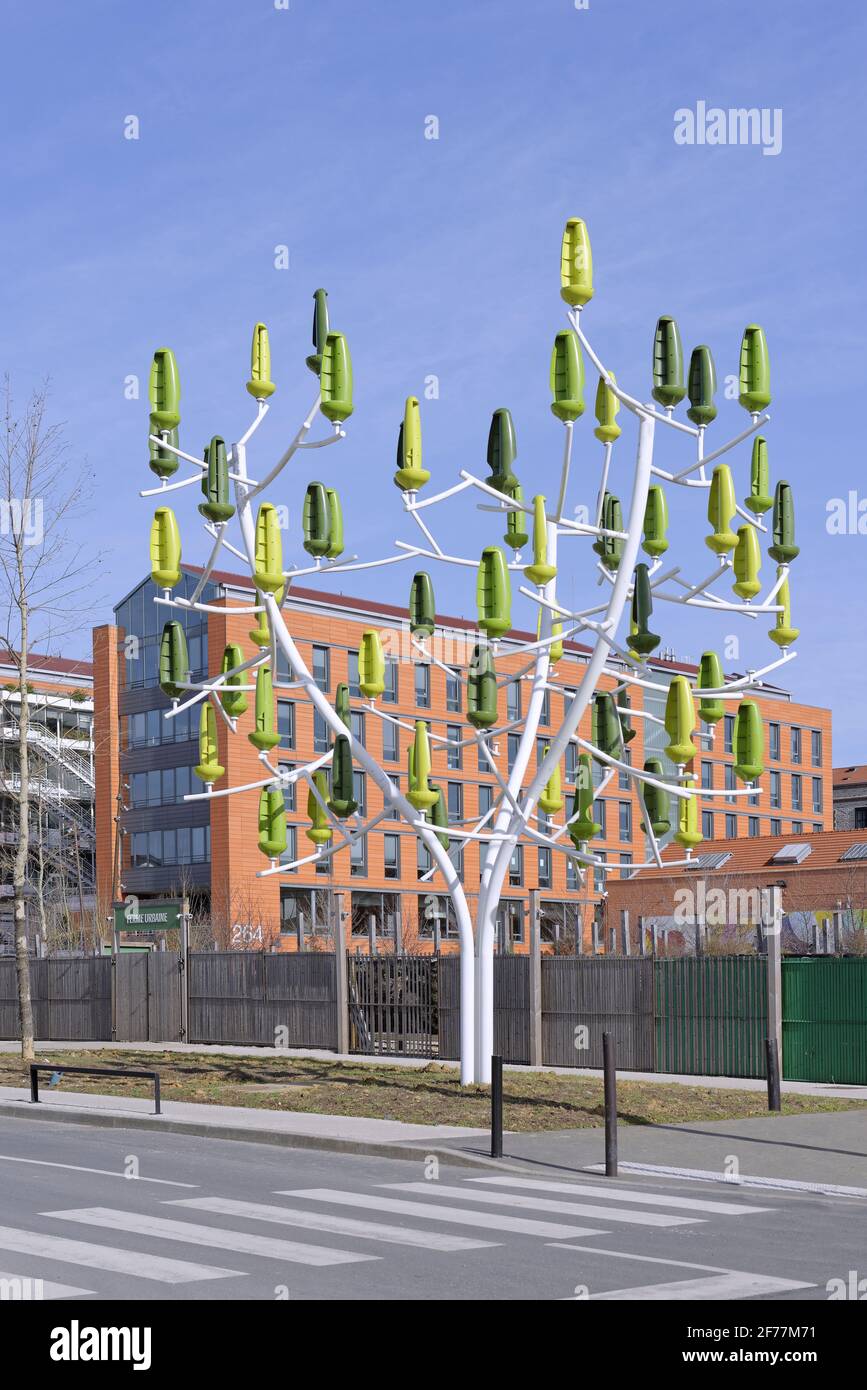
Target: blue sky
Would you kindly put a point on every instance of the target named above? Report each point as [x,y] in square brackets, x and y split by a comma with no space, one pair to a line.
[305,127]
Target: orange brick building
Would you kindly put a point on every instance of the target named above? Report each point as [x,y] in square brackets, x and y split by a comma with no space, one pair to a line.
[209,850]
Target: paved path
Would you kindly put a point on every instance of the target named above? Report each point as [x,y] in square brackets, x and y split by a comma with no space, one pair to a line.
[129,1215]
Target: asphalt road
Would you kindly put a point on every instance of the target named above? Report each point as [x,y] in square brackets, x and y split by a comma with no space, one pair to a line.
[214,1219]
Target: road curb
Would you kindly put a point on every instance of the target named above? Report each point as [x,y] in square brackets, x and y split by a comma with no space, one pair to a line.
[274,1138]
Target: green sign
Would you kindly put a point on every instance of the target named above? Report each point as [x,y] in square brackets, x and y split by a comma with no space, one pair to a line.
[139,915]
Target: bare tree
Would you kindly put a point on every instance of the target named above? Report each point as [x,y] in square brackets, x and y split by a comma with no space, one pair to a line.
[46,574]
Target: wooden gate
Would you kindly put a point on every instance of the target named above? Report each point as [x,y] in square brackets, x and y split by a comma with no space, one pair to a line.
[393,1005]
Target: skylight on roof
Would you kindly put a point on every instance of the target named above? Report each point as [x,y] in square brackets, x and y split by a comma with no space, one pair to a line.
[858,851]
[714,860]
[792,854]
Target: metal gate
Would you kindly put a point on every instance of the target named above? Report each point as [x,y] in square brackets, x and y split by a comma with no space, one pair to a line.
[148,996]
[393,1005]
[825,1020]
[711,1015]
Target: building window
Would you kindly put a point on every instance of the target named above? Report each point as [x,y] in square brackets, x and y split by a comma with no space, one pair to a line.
[571,763]
[796,745]
[390,742]
[322,667]
[544,867]
[625,822]
[454,751]
[290,854]
[516,867]
[289,789]
[707,824]
[356,724]
[817,796]
[731,827]
[728,733]
[513,700]
[797,792]
[393,812]
[730,780]
[455,793]
[816,747]
[861,817]
[599,815]
[707,776]
[776,826]
[486,798]
[513,743]
[286,722]
[423,859]
[321,733]
[599,872]
[391,853]
[453,692]
[389,694]
[623,778]
[774,742]
[359,790]
[572,884]
[545,715]
[510,923]
[358,858]
[776,791]
[753,827]
[353,674]
[797,827]
[283,672]
[422,685]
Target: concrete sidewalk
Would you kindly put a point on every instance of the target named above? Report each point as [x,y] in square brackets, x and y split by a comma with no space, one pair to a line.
[725,1083]
[824,1152]
[292,1128]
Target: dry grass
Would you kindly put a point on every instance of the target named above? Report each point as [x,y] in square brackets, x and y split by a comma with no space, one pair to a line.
[425,1095]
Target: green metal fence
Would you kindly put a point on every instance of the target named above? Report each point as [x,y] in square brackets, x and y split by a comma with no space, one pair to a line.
[825,1019]
[711,1015]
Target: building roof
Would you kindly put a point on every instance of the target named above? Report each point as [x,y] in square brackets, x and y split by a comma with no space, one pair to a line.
[850,776]
[391,610]
[40,665]
[755,855]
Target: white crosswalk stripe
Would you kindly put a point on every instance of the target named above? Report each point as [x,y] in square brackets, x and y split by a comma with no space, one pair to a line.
[133,1262]
[524,1202]
[187,1232]
[328,1221]
[432,1211]
[732,1285]
[619,1194]
[28,1288]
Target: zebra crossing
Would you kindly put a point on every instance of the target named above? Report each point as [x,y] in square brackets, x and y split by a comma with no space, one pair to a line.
[353,1226]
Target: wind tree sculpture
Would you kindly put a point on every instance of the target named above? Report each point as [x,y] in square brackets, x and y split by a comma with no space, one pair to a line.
[668,799]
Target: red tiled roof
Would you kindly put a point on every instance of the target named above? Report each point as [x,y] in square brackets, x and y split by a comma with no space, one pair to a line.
[850,776]
[751,855]
[389,610]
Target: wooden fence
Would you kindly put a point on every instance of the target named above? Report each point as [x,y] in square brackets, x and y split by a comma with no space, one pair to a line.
[700,1016]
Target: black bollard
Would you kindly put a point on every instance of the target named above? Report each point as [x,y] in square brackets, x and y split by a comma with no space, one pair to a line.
[496,1107]
[609,1067]
[774,1097]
